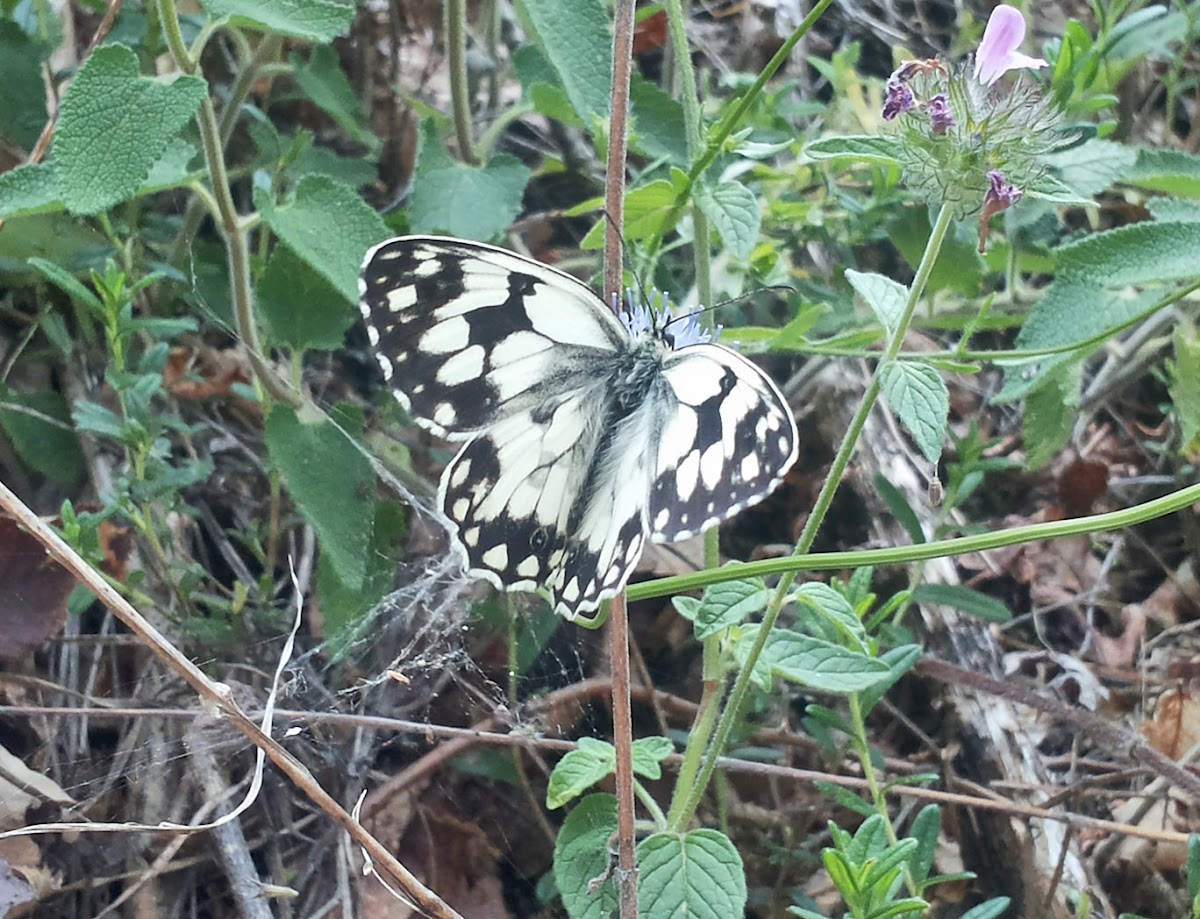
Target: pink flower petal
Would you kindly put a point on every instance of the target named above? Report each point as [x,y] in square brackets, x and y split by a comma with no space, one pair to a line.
[998,52]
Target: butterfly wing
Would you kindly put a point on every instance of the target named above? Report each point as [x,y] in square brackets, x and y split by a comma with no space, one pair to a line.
[555,499]
[467,334]
[725,442]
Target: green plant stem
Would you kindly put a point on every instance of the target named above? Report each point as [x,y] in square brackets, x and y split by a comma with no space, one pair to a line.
[821,507]
[460,91]
[721,133]
[943,548]
[235,237]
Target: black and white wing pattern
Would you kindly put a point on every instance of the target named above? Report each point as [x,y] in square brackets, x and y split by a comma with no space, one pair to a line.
[582,434]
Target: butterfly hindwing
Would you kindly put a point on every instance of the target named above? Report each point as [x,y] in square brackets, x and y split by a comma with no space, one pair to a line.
[727,442]
[466,333]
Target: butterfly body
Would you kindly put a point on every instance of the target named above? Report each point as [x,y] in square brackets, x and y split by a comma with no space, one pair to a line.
[582,436]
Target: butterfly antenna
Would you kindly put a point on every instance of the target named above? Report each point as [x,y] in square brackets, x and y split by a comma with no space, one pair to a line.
[628,258]
[717,306]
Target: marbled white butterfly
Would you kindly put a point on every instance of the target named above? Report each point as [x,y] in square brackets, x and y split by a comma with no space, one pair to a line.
[582,433]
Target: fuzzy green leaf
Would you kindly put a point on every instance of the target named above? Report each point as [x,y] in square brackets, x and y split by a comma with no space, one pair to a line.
[1093,166]
[581,855]
[31,188]
[821,665]
[837,617]
[579,770]
[309,20]
[1139,253]
[648,754]
[879,149]
[577,38]
[1050,415]
[322,79]
[723,605]
[39,426]
[475,202]
[114,125]
[23,100]
[697,874]
[328,226]
[884,296]
[1185,388]
[1171,172]
[301,307]
[733,210]
[658,122]
[331,482]
[917,394]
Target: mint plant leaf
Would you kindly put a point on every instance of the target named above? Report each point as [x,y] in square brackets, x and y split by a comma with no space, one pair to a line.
[39,426]
[441,187]
[581,855]
[734,213]
[726,604]
[1170,172]
[309,20]
[836,613]
[648,754]
[114,125]
[821,664]
[23,101]
[884,296]
[579,770]
[577,38]
[659,128]
[301,307]
[322,79]
[1139,253]
[969,601]
[331,482]
[1050,412]
[917,393]
[878,149]
[697,874]
[328,226]
[31,188]
[1185,388]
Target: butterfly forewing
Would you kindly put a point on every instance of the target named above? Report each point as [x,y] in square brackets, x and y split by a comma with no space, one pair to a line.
[726,445]
[466,334]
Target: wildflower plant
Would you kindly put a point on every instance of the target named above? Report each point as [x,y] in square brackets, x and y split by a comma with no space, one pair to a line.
[959,126]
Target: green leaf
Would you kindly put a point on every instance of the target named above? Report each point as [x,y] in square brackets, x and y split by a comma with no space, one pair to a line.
[31,188]
[969,601]
[23,101]
[577,38]
[659,129]
[475,202]
[899,661]
[697,874]
[1185,388]
[1171,172]
[1093,166]
[917,393]
[1050,415]
[58,238]
[332,484]
[926,828]
[884,296]
[733,210]
[1193,866]
[959,266]
[1166,210]
[726,604]
[836,614]
[879,149]
[69,284]
[581,855]
[821,665]
[302,309]
[989,909]
[646,210]
[322,79]
[579,770]
[1073,310]
[1055,191]
[309,20]
[1139,253]
[39,426]
[328,226]
[346,614]
[903,512]
[114,125]
[648,753]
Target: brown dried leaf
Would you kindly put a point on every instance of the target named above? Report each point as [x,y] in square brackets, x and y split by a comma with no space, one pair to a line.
[33,592]
[1176,725]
